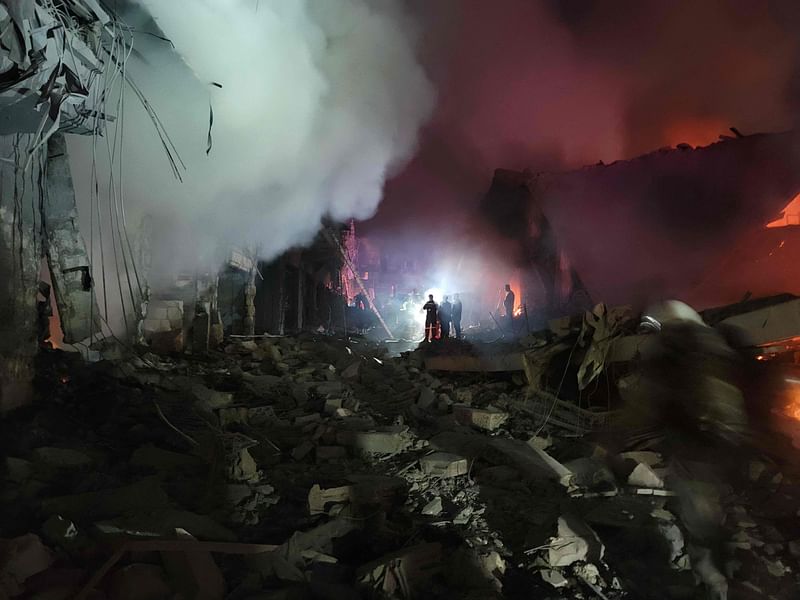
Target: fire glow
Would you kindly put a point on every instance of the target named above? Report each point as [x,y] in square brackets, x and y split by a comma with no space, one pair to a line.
[792,406]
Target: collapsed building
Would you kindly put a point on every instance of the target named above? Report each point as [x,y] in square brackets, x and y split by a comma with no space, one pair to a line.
[243,443]
[661,225]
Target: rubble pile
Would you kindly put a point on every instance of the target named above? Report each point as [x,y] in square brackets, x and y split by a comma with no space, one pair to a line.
[303,467]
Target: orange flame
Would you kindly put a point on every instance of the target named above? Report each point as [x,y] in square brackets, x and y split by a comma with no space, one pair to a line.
[792,407]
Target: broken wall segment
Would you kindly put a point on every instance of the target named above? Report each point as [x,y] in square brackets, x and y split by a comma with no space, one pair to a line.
[68,260]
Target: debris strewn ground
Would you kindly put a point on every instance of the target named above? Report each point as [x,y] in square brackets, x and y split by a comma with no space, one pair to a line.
[321,468]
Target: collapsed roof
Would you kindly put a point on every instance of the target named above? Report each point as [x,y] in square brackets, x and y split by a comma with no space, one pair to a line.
[652,227]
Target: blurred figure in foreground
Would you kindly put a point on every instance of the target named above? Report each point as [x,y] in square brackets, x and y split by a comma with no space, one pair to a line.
[684,395]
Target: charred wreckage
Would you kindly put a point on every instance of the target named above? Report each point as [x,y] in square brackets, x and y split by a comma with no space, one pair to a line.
[242,441]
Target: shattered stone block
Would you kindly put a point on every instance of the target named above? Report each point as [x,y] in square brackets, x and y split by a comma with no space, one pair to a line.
[554,578]
[210,400]
[405,571]
[332,405]
[482,418]
[390,440]
[575,541]
[442,464]
[433,508]
[643,476]
[329,388]
[319,498]
[242,466]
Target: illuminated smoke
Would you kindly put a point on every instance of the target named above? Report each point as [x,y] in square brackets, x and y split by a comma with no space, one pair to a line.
[319,103]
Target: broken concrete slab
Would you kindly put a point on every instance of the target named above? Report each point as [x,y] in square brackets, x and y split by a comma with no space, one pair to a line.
[554,578]
[210,400]
[575,541]
[443,464]
[433,508]
[287,562]
[482,418]
[319,498]
[386,440]
[241,466]
[643,476]
[501,451]
[163,523]
[404,572]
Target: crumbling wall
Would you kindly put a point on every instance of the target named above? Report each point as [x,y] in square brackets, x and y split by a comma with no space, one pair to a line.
[66,252]
[20,252]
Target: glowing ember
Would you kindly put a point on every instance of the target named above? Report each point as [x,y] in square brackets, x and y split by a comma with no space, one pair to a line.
[792,408]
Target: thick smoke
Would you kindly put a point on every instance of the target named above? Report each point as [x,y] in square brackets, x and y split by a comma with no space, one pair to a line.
[553,85]
[314,105]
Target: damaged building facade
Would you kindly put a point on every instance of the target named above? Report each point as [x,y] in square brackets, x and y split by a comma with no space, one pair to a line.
[43,97]
[667,224]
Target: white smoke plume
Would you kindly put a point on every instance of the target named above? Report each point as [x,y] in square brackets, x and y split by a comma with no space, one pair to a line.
[320,101]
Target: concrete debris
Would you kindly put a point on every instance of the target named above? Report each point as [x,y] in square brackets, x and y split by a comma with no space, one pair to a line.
[319,499]
[482,418]
[644,476]
[575,541]
[210,400]
[388,440]
[433,508]
[554,578]
[368,478]
[402,574]
[442,464]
